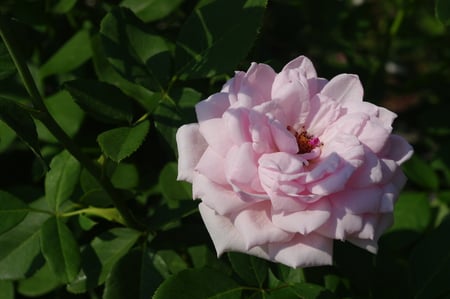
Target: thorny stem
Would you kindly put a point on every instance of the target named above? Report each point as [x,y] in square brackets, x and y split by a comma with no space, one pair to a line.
[47,119]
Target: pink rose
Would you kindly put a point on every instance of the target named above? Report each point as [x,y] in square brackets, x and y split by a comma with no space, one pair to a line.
[286,163]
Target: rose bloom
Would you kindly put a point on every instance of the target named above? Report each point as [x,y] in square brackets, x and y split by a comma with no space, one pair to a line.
[285,163]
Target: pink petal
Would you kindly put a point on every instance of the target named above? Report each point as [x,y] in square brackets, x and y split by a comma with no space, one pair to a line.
[397,149]
[224,235]
[218,197]
[290,92]
[256,227]
[303,251]
[212,107]
[215,133]
[340,225]
[344,88]
[358,201]
[302,65]
[237,125]
[191,146]
[323,112]
[241,168]
[306,221]
[212,165]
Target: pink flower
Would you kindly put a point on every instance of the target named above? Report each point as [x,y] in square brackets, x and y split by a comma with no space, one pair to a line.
[286,163]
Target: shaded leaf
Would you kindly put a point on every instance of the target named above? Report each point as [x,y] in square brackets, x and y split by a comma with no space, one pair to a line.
[60,249]
[209,44]
[301,290]
[42,282]
[412,212]
[251,269]
[134,51]
[7,67]
[12,211]
[133,276]
[430,262]
[18,119]
[99,257]
[120,143]
[7,136]
[102,101]
[125,176]
[173,190]
[442,10]
[198,283]
[151,10]
[20,250]
[421,173]
[63,6]
[61,179]
[70,56]
[7,289]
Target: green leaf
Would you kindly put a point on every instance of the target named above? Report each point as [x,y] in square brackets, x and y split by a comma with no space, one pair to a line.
[442,10]
[7,67]
[102,101]
[125,176]
[168,262]
[61,179]
[217,36]
[301,290]
[7,136]
[173,190]
[42,282]
[151,10]
[60,249]
[7,289]
[133,276]
[70,56]
[12,211]
[120,143]
[430,262]
[63,6]
[412,212]
[105,72]
[134,51]
[20,250]
[198,283]
[99,257]
[251,269]
[421,173]
[170,115]
[19,119]
[65,112]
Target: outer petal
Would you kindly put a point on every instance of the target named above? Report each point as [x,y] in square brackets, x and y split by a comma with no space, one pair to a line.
[224,235]
[345,89]
[212,107]
[191,146]
[257,228]
[303,65]
[397,149]
[303,251]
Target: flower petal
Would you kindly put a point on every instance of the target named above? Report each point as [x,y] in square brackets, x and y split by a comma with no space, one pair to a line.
[344,88]
[212,107]
[191,146]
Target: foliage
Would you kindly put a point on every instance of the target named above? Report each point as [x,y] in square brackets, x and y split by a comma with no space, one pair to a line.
[91,95]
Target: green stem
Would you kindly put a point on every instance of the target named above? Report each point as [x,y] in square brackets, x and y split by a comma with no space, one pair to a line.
[47,119]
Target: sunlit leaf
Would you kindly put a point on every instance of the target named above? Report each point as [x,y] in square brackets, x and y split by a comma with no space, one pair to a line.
[151,10]
[20,250]
[61,179]
[12,211]
[60,249]
[119,143]
[210,43]
[70,56]
[65,112]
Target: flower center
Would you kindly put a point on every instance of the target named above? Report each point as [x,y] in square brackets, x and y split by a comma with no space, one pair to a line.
[306,142]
